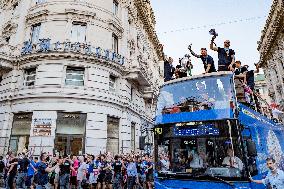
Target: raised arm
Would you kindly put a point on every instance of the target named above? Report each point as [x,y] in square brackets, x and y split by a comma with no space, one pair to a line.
[193,53]
[213,45]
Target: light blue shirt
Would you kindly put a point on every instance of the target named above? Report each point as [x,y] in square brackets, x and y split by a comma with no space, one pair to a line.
[276,181]
[132,169]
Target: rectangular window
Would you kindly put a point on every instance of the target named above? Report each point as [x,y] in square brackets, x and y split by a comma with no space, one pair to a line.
[114,43]
[133,136]
[75,76]
[29,76]
[35,33]
[112,84]
[115,7]
[78,32]
[131,93]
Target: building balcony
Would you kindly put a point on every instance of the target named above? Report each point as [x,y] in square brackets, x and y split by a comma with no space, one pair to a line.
[148,93]
[138,75]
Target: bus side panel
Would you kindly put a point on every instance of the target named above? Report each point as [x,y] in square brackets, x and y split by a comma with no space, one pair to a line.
[191,184]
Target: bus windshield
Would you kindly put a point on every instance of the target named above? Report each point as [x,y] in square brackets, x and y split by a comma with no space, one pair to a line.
[199,149]
[198,99]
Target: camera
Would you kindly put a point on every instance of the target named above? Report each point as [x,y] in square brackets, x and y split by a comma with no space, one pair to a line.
[213,32]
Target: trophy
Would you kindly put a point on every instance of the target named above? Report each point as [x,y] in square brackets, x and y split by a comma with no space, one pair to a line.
[213,32]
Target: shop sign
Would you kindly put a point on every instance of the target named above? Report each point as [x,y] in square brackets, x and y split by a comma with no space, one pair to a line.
[42,127]
[46,46]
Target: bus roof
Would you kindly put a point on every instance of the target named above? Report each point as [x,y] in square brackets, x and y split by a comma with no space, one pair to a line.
[197,77]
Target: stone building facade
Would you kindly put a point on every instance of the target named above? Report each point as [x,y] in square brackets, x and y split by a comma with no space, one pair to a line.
[271,49]
[261,85]
[77,76]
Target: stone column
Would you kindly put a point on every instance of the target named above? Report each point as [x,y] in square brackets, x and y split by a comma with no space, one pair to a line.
[124,132]
[6,120]
[96,133]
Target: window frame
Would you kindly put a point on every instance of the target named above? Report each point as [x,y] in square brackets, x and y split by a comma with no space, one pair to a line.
[115,5]
[133,135]
[115,43]
[72,80]
[112,81]
[35,36]
[27,74]
[81,25]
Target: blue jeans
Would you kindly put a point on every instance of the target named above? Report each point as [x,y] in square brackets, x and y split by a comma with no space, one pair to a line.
[117,181]
[20,181]
[64,181]
[131,182]
[46,186]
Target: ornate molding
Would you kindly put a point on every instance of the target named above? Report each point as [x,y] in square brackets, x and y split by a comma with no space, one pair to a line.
[7,4]
[37,17]
[146,14]
[271,29]
[9,28]
[116,27]
[80,15]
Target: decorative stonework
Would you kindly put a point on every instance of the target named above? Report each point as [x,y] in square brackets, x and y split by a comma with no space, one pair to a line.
[271,48]
[37,17]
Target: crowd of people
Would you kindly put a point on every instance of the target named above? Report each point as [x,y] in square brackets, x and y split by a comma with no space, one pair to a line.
[86,171]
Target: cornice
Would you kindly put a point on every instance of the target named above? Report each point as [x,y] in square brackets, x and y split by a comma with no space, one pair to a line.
[271,29]
[146,14]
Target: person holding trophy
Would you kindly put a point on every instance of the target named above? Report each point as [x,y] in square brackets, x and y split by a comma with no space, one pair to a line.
[226,56]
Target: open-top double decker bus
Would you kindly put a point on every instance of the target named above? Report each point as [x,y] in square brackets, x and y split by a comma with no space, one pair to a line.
[200,124]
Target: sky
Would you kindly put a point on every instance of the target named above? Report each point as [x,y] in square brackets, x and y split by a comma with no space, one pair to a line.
[184,22]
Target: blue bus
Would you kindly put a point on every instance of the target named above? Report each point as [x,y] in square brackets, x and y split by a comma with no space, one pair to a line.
[207,137]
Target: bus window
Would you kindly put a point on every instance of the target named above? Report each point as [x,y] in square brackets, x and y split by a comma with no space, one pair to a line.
[201,148]
[213,97]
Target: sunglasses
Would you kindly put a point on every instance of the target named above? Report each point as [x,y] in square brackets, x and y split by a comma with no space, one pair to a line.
[226,42]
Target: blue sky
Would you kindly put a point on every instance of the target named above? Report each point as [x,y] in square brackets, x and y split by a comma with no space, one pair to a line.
[178,22]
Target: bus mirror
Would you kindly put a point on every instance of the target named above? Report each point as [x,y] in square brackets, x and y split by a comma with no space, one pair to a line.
[251,147]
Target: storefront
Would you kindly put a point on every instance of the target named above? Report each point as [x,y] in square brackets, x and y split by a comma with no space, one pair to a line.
[20,133]
[70,133]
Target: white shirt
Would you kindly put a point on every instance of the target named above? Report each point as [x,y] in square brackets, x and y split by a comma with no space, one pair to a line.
[165,165]
[197,161]
[276,113]
[83,167]
[233,162]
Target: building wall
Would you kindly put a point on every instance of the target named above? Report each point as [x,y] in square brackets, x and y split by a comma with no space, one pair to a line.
[271,49]
[137,79]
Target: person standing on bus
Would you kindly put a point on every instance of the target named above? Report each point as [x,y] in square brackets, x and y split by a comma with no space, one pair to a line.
[226,56]
[207,60]
[275,176]
[169,70]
